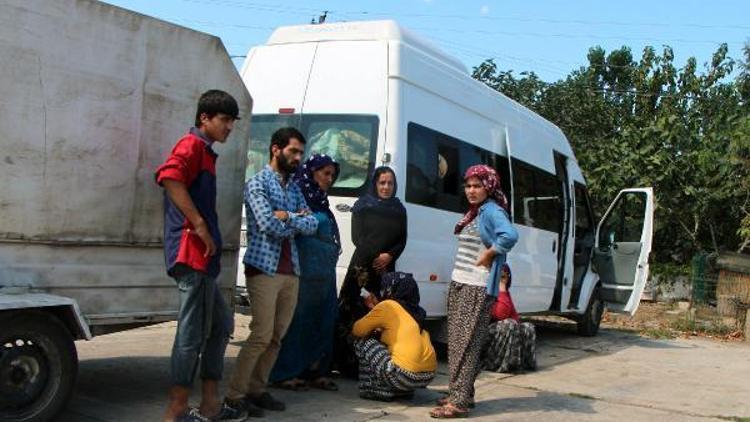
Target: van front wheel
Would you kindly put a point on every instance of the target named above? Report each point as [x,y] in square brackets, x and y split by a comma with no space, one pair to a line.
[588,323]
[38,367]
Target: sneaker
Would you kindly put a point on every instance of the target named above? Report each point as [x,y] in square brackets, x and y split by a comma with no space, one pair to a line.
[238,410]
[192,415]
[266,401]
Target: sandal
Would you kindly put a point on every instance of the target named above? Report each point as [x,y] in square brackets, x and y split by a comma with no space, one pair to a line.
[294,384]
[323,383]
[442,401]
[448,411]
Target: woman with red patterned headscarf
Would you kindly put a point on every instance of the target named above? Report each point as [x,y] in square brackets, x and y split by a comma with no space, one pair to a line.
[485,236]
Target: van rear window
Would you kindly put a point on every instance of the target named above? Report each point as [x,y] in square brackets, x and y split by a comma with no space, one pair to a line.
[350,139]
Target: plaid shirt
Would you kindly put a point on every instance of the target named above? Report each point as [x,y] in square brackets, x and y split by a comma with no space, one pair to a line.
[265,194]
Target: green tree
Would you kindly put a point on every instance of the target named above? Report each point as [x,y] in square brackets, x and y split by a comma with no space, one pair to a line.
[647,123]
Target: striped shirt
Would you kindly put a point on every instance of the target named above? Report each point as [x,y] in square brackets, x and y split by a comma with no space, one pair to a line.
[470,248]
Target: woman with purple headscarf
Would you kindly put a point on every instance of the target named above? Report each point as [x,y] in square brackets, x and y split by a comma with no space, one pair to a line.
[485,235]
[306,350]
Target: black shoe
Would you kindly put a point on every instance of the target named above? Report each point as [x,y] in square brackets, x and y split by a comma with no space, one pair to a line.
[265,401]
[192,415]
[406,395]
[238,409]
[372,396]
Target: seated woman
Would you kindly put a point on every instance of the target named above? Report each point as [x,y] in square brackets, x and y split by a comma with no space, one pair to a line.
[511,344]
[403,359]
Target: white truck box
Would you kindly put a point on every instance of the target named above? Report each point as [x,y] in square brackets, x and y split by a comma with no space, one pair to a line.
[92,99]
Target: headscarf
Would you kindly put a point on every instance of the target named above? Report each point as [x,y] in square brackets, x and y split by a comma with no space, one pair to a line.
[315,197]
[402,288]
[491,183]
[371,198]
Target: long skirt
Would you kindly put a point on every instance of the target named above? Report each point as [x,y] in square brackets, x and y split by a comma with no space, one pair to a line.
[307,348]
[380,378]
[510,347]
[468,319]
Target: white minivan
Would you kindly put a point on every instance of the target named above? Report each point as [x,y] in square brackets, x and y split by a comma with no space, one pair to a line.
[372,93]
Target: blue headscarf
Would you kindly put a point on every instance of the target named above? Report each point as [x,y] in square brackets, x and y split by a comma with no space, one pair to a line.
[371,198]
[315,197]
[402,288]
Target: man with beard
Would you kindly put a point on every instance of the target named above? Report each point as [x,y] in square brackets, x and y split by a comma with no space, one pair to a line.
[276,213]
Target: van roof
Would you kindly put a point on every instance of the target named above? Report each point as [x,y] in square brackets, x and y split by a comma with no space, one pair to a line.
[383,30]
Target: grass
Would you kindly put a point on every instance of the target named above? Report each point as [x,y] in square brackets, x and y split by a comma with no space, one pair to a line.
[658,333]
[708,327]
[582,396]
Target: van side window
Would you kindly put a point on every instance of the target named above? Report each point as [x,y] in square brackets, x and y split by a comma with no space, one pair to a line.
[436,164]
[537,198]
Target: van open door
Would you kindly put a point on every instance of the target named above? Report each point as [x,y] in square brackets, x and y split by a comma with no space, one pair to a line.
[623,244]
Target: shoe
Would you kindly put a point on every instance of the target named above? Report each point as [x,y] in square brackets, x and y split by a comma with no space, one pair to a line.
[266,401]
[372,396]
[238,410]
[192,415]
[406,395]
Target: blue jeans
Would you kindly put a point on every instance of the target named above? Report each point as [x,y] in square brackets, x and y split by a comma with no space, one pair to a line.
[204,324]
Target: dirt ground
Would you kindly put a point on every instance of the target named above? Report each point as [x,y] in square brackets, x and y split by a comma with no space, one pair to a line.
[676,319]
[616,375]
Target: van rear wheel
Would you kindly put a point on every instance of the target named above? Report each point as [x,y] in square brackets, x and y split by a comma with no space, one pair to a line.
[588,323]
[38,367]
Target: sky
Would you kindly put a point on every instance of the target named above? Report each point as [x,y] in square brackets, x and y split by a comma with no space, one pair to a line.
[548,37]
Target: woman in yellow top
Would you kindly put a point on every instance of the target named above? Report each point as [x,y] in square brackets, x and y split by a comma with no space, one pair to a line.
[403,359]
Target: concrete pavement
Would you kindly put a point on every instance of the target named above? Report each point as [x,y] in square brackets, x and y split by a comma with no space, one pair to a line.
[614,376]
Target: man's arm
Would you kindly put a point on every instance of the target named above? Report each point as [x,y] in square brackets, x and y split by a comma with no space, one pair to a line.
[178,194]
[302,221]
[256,199]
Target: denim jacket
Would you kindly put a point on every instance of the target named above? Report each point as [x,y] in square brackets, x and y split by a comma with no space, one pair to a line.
[264,194]
[496,230]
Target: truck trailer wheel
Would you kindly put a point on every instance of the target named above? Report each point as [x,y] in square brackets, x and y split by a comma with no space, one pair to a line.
[588,323]
[38,366]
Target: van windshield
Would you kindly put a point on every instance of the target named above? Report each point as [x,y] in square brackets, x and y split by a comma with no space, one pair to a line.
[349,139]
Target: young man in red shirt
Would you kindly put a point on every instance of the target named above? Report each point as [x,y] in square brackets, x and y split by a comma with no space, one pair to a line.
[192,249]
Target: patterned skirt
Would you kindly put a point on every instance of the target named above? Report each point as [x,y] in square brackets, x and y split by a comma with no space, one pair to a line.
[380,378]
[510,347]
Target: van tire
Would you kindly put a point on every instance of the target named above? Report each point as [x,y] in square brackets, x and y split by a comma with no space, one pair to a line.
[588,323]
[38,366]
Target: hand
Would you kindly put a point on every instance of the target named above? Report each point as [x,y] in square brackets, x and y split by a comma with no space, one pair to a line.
[381,262]
[201,230]
[304,212]
[281,215]
[370,301]
[485,259]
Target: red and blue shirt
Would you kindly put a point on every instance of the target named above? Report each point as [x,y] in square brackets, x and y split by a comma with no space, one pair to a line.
[192,162]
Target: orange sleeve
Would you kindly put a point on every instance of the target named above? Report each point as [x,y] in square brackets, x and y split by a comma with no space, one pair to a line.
[370,322]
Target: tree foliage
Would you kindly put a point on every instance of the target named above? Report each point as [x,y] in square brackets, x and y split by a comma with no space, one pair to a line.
[684,131]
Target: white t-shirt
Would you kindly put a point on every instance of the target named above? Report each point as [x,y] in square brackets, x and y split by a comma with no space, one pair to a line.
[470,248]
